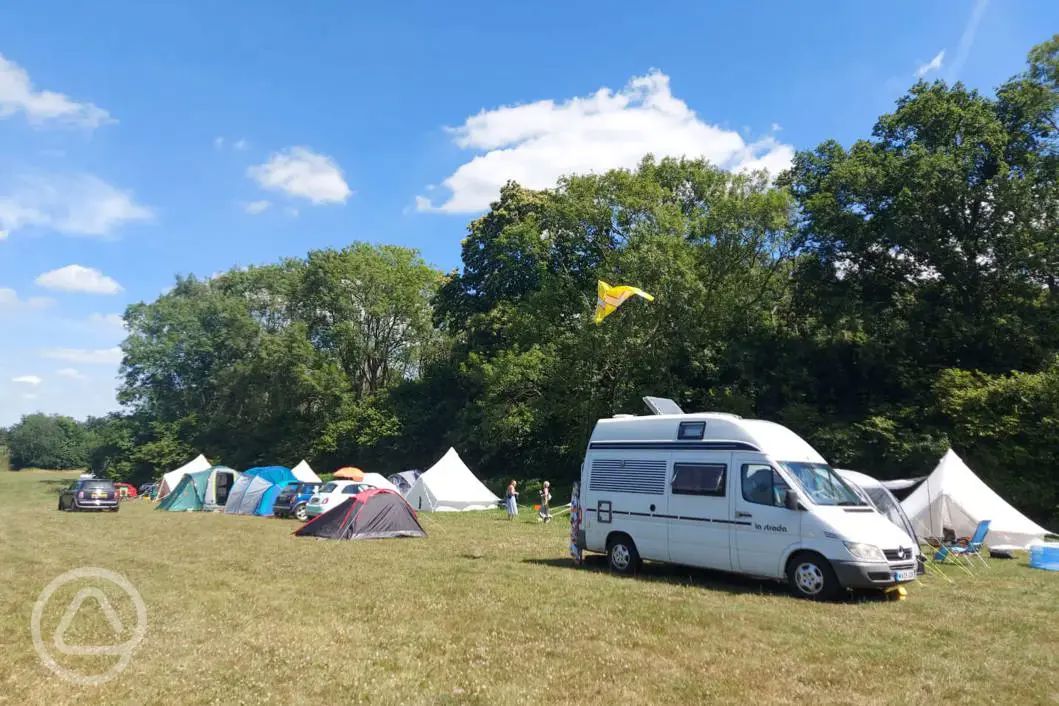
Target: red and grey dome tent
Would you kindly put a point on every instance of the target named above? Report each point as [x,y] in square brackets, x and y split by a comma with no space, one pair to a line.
[370,514]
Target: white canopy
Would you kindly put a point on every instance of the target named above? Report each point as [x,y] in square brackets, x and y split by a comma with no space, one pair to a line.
[376,480]
[953,496]
[304,472]
[171,479]
[449,485]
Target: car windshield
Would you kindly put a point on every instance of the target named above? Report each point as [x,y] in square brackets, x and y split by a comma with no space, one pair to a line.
[97,485]
[328,487]
[821,483]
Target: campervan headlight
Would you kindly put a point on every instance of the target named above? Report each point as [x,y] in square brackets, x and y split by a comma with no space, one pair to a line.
[865,552]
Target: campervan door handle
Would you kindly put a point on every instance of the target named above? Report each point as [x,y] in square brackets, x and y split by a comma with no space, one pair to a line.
[740,513]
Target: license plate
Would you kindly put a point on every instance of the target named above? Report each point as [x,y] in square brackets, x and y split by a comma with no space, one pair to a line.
[99,495]
[905,575]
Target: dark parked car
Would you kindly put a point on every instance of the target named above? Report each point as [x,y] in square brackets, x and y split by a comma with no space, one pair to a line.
[90,494]
[293,498]
[147,489]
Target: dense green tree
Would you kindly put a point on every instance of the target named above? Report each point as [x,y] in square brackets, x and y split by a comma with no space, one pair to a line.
[268,364]
[537,373]
[47,441]
[931,246]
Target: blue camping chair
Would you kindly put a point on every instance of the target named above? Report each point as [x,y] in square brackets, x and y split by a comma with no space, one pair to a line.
[973,548]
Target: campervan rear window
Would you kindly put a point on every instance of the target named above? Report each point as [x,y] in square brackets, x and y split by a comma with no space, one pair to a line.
[699,479]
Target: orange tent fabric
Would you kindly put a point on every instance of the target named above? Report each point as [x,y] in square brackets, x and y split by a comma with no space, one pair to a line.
[349,473]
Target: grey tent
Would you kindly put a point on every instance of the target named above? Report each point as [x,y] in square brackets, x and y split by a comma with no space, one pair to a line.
[246,495]
[405,480]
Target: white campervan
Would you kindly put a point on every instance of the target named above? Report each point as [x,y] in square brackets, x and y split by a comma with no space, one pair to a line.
[744,495]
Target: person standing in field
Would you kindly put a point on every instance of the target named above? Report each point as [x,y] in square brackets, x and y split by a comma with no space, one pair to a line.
[545,514]
[511,500]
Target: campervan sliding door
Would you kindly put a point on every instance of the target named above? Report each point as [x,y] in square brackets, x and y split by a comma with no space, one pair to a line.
[699,527]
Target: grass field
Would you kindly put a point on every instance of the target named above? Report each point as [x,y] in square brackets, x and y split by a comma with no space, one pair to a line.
[485,611]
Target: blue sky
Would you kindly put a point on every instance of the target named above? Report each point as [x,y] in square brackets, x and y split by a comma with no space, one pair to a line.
[139,140]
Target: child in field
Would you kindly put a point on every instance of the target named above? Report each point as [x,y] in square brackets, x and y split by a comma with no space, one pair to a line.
[511,500]
[545,514]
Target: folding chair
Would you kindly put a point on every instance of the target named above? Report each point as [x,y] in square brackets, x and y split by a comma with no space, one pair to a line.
[973,548]
[944,554]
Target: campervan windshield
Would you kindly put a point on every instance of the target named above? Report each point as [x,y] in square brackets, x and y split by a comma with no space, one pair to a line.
[822,484]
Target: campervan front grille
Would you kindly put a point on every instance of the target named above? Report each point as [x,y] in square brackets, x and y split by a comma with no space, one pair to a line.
[899,554]
[628,476]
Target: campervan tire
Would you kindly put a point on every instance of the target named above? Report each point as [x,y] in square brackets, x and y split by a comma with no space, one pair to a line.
[622,555]
[811,576]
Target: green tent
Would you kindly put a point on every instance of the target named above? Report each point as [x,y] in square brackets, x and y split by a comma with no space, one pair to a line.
[202,490]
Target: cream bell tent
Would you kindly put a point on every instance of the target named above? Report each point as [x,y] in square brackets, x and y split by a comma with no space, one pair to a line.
[305,473]
[953,496]
[449,485]
[172,479]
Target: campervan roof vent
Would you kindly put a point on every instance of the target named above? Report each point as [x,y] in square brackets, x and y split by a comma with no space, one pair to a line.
[623,416]
[662,405]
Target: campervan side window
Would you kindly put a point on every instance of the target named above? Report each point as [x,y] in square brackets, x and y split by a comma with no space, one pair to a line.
[762,484]
[699,479]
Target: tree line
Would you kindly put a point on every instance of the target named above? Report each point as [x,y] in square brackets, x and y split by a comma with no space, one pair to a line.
[885,300]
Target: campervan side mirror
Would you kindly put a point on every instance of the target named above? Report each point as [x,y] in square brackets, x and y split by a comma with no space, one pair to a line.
[790,500]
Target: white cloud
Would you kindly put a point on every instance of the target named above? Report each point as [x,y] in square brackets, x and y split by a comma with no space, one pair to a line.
[240,145]
[76,278]
[107,322]
[256,207]
[29,396]
[300,172]
[536,143]
[9,300]
[3,234]
[291,211]
[28,380]
[70,373]
[17,95]
[76,204]
[970,31]
[775,127]
[86,356]
[932,65]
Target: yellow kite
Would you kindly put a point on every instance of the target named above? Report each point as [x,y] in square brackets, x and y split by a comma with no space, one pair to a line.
[610,298]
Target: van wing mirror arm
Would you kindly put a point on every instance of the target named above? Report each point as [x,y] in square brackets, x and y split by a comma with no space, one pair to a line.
[790,500]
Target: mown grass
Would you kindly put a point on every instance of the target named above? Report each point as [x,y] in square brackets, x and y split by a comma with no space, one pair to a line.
[487,611]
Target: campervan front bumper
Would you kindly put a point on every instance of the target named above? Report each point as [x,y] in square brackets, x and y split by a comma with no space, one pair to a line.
[873,574]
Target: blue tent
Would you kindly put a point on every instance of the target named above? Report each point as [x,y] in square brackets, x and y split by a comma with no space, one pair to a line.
[278,476]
